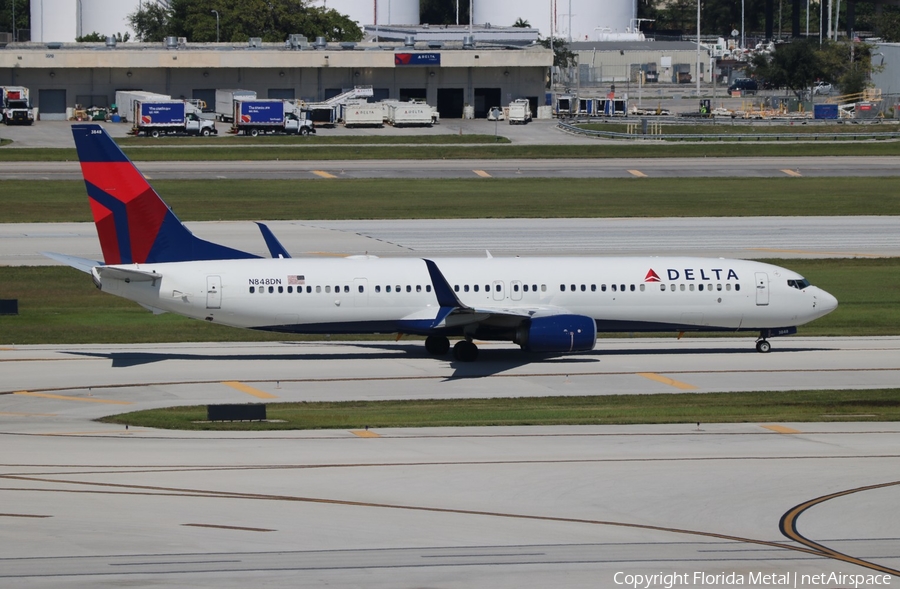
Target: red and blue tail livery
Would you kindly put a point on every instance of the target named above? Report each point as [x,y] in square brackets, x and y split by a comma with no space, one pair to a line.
[135,226]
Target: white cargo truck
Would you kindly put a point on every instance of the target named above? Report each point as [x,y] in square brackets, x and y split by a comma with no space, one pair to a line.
[125,100]
[519,112]
[409,114]
[360,113]
[225,102]
[15,109]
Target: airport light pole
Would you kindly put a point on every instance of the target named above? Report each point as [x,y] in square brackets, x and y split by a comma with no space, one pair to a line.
[216,12]
[698,48]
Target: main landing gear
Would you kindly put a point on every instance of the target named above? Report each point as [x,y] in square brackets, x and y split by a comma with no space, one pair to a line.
[464,350]
[437,345]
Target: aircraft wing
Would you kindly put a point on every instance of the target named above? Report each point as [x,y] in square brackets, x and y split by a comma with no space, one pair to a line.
[454,313]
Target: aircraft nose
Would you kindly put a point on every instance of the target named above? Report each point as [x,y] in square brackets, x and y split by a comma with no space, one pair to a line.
[826,301]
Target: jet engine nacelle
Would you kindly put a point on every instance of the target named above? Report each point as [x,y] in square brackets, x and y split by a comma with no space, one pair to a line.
[558,333]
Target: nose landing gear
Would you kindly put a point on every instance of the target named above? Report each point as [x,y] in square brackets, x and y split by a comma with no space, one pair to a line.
[763,347]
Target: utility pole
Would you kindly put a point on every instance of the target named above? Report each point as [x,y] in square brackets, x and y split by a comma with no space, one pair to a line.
[698,48]
[217,24]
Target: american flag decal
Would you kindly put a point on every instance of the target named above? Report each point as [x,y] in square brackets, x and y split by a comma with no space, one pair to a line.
[297,279]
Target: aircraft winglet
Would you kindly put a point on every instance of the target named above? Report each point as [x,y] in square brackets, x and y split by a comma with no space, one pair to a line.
[445,295]
[275,248]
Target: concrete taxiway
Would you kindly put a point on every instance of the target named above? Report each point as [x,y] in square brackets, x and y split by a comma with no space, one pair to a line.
[735,237]
[306,170]
[91,504]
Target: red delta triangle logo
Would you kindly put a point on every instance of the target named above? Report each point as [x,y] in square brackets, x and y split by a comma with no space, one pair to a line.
[652,276]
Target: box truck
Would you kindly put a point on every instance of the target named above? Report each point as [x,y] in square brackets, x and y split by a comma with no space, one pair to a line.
[170,117]
[273,116]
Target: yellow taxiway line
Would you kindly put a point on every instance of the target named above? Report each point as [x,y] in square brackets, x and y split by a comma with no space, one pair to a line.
[780,429]
[637,173]
[666,380]
[793,173]
[70,398]
[481,173]
[364,433]
[239,386]
[323,174]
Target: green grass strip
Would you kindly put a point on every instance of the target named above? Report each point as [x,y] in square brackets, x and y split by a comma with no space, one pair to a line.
[59,305]
[35,201]
[686,408]
[737,127]
[322,138]
[617,149]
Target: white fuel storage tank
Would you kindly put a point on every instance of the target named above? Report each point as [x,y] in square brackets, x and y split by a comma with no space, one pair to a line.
[389,12]
[589,19]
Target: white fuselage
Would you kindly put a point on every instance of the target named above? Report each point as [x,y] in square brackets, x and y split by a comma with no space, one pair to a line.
[378,295]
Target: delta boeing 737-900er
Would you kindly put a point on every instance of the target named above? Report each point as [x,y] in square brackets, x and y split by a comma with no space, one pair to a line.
[546,305]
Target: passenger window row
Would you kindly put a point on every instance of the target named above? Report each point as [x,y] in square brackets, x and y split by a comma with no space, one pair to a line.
[700,287]
[337,289]
[525,287]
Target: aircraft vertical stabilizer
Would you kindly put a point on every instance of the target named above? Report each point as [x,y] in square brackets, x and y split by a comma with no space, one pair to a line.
[135,226]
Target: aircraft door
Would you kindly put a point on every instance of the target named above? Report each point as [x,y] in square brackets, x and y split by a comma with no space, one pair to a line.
[498,290]
[360,292]
[213,292]
[762,288]
[516,290]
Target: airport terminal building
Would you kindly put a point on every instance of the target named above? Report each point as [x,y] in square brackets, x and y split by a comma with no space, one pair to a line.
[450,75]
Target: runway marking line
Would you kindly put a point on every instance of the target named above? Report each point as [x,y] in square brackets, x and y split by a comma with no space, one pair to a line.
[239,386]
[10,413]
[238,528]
[788,527]
[637,173]
[666,380]
[70,398]
[117,432]
[780,429]
[323,174]
[793,173]
[481,173]
[364,433]
[787,524]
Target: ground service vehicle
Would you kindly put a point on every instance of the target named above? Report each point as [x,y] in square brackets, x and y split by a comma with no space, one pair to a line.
[225,102]
[519,112]
[14,106]
[170,117]
[548,306]
[254,117]
[359,113]
[410,114]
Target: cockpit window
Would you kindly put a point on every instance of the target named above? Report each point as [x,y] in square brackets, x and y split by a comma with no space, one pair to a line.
[799,284]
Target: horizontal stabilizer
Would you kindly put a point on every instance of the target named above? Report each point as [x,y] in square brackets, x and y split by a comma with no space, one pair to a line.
[82,264]
[127,274]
